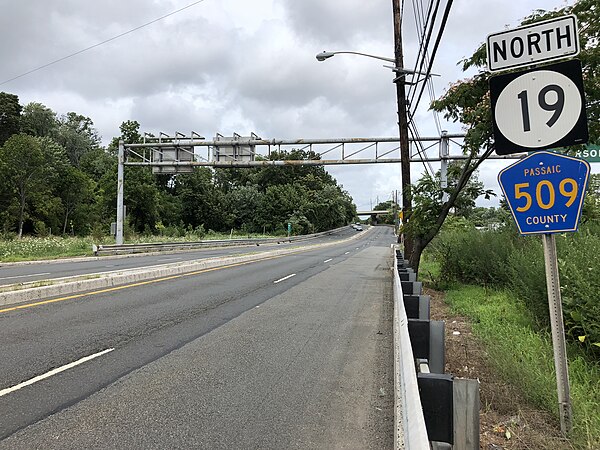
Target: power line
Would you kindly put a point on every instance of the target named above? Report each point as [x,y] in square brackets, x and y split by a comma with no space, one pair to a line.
[101,43]
[422,24]
[435,47]
[423,48]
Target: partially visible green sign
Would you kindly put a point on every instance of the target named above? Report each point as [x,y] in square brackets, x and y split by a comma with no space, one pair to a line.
[591,153]
[289,227]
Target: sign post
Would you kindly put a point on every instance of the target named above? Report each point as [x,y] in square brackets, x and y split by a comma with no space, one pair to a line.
[545,193]
[558,333]
[538,109]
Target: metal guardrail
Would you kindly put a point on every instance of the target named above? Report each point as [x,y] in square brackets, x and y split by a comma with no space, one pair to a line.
[103,250]
[411,433]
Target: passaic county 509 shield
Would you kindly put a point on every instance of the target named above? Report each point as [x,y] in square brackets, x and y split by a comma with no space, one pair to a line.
[545,192]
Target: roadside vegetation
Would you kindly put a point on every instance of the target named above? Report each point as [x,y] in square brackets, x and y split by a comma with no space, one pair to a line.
[467,101]
[497,279]
[31,248]
[57,179]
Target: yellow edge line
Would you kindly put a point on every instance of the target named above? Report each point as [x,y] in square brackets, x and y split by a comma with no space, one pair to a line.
[140,283]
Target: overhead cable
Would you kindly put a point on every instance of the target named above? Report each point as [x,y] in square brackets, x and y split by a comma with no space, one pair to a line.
[100,43]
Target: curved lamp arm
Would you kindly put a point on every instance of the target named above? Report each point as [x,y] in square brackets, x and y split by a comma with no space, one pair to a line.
[324,55]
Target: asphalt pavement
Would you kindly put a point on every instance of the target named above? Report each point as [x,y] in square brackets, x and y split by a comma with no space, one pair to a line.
[292,351]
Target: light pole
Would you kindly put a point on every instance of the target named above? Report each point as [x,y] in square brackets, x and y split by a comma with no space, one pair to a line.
[402,122]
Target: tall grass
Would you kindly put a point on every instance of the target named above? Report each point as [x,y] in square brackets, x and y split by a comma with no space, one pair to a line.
[505,260]
[524,357]
[52,247]
[30,248]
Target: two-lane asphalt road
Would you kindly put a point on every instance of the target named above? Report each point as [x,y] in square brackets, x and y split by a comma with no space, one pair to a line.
[291,351]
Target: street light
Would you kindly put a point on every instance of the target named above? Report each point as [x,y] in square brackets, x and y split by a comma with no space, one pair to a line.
[400,70]
[324,55]
[400,82]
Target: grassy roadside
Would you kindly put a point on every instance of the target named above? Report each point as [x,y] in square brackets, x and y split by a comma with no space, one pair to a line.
[54,247]
[523,356]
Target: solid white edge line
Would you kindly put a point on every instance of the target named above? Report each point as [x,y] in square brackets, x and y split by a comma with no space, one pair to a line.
[284,278]
[327,260]
[53,372]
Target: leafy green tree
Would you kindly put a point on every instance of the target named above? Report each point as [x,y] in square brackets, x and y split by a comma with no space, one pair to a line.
[329,207]
[10,116]
[26,169]
[430,211]
[488,217]
[39,120]
[75,190]
[76,133]
[201,202]
[279,203]
[243,203]
[591,204]
[388,218]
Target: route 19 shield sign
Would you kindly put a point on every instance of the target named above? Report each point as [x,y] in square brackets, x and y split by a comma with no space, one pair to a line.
[545,192]
[539,109]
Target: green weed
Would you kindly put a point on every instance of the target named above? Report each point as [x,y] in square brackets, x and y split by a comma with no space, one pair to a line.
[524,357]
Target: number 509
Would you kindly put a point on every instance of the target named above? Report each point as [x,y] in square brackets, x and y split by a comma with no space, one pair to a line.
[567,188]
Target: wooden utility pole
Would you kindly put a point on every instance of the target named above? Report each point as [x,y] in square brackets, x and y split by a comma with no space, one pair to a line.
[403,125]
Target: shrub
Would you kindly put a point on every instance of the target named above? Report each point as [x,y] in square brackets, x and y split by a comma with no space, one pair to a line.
[505,260]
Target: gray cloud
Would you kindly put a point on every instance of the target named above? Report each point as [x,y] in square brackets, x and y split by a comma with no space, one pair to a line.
[232,65]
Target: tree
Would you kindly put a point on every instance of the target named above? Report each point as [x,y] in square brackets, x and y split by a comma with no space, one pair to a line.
[75,189]
[77,135]
[10,116]
[591,204]
[23,169]
[38,120]
[429,211]
[243,203]
[468,102]
[201,201]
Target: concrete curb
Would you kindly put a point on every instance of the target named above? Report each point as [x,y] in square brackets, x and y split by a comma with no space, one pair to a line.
[72,285]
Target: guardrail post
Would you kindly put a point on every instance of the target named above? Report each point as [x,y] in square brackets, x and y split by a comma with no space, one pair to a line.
[466,414]
[437,399]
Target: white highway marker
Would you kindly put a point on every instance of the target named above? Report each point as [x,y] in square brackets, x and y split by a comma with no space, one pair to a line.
[53,372]
[25,276]
[327,260]
[284,278]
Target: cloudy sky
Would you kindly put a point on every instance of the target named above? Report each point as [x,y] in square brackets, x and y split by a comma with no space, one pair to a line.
[224,66]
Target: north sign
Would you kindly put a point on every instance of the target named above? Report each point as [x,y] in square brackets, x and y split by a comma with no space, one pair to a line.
[545,192]
[539,108]
[532,44]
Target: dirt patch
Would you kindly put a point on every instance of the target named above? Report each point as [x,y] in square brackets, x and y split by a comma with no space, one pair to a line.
[507,421]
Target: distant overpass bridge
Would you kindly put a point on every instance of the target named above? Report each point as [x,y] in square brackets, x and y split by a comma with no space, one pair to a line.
[374,212]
